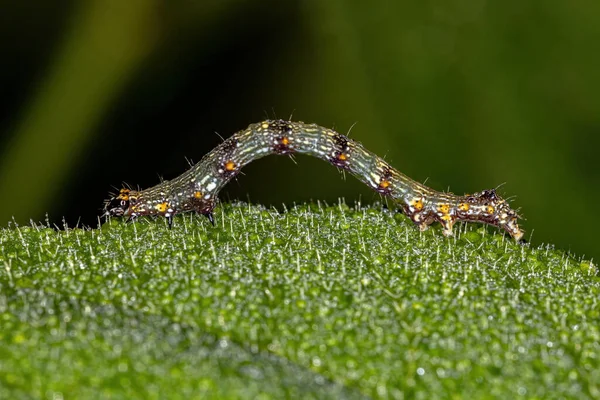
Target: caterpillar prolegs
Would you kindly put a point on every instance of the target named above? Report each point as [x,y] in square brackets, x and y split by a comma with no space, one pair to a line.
[197,188]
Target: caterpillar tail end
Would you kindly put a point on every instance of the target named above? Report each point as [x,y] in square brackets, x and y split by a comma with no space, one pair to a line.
[513,229]
[488,207]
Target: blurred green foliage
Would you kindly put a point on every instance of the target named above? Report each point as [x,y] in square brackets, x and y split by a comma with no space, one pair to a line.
[466,94]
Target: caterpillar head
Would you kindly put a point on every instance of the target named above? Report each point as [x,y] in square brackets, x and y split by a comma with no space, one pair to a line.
[488,207]
[121,204]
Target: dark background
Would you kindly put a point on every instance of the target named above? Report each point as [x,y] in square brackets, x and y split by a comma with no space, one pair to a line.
[466,94]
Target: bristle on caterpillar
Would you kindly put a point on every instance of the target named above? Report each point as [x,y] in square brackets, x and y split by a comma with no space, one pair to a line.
[197,188]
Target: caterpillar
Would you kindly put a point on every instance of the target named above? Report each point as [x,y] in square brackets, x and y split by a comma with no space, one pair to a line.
[197,188]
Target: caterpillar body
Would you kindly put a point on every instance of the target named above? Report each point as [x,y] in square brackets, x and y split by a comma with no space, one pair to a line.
[197,188]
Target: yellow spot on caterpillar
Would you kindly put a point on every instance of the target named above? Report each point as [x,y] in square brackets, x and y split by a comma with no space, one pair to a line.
[342,157]
[197,194]
[443,208]
[417,204]
[123,194]
[161,207]
[265,125]
[463,207]
[285,141]
[489,209]
[446,217]
[384,184]
[229,165]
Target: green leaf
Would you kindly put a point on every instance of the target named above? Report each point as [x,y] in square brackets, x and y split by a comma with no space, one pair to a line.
[316,302]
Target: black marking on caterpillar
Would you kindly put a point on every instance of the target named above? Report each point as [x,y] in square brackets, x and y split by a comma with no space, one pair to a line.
[197,188]
[229,145]
[340,155]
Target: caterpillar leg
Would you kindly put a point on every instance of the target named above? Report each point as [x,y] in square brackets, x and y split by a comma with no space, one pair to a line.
[210,217]
[421,221]
[447,225]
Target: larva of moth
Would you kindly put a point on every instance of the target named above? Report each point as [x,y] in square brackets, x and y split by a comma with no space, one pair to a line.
[197,188]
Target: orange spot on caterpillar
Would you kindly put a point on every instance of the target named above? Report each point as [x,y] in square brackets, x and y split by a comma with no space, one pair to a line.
[417,204]
[463,207]
[230,166]
[197,194]
[384,184]
[443,208]
[285,141]
[342,157]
